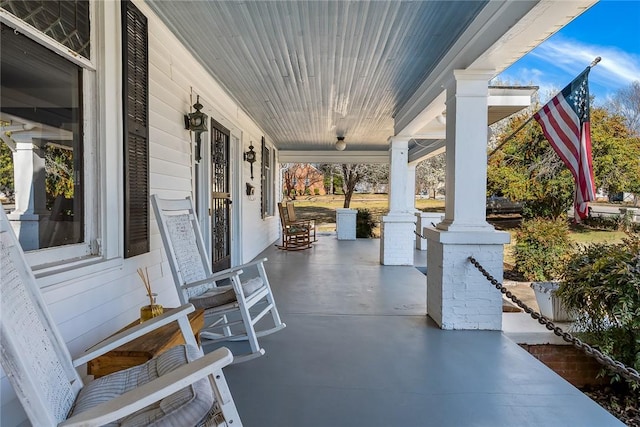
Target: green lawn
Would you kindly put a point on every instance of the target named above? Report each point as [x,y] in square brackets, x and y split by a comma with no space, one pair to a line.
[322,208]
[596,236]
[579,235]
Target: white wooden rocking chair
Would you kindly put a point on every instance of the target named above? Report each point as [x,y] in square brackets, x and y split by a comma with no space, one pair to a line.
[180,387]
[231,311]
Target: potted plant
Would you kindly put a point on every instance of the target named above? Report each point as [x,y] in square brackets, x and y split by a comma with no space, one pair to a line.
[601,283]
[542,247]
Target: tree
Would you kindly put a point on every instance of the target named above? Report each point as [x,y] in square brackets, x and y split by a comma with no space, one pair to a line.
[616,153]
[59,174]
[329,170]
[300,175]
[287,179]
[353,174]
[626,103]
[527,169]
[6,169]
[430,174]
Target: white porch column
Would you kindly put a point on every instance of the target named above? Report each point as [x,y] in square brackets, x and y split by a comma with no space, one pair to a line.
[29,181]
[458,296]
[396,241]
[411,187]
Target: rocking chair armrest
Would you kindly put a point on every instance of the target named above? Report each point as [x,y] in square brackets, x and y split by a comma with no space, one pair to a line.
[216,276]
[251,263]
[153,391]
[301,220]
[229,272]
[132,333]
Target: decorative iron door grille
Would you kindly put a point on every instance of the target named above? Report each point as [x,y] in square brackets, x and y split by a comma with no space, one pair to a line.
[220,198]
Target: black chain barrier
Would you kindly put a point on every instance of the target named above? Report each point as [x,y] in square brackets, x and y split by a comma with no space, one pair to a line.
[620,368]
[419,235]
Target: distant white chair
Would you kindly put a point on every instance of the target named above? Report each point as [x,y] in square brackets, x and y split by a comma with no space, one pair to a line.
[231,310]
[179,387]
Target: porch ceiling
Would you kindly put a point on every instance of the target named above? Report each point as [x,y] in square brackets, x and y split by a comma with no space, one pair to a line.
[308,71]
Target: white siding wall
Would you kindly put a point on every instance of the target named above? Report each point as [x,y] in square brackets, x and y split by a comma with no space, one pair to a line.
[90,307]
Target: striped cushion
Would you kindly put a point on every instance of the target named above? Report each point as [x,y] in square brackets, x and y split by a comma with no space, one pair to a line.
[183,408]
[224,294]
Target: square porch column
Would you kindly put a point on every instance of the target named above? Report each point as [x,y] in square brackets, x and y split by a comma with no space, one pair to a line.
[425,219]
[30,192]
[458,296]
[397,228]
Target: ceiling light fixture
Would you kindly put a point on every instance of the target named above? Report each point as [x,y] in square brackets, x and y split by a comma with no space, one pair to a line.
[340,144]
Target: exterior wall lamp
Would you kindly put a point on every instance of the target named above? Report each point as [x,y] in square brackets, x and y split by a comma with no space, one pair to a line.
[340,144]
[196,122]
[250,156]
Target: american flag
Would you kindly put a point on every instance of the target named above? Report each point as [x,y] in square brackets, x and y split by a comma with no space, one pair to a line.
[565,123]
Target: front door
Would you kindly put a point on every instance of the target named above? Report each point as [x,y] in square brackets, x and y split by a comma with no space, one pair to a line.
[220,199]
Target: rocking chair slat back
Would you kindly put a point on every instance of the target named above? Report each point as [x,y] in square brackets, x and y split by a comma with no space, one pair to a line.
[226,298]
[46,380]
[191,261]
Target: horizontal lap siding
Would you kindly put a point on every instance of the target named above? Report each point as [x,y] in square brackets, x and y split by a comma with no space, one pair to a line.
[97,303]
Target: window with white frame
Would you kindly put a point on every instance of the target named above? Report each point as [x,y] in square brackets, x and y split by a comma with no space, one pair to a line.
[267,181]
[44,147]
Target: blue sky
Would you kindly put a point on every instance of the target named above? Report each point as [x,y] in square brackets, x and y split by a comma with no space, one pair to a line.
[609,29]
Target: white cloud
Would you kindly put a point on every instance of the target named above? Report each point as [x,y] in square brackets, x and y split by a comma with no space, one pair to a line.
[617,68]
[555,62]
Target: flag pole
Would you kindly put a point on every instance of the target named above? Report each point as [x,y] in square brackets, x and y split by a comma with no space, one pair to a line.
[510,137]
[512,134]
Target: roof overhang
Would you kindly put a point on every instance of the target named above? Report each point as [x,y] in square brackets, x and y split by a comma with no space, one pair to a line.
[307,72]
[502,103]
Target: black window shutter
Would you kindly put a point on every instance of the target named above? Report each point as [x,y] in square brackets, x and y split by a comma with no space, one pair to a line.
[136,130]
[264,200]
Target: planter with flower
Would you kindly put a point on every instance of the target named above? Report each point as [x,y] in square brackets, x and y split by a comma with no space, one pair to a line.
[542,248]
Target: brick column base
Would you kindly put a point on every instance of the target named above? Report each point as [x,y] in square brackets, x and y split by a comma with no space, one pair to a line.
[458,295]
[396,241]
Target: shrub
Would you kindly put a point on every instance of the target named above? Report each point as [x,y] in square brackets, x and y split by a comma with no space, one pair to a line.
[621,222]
[602,222]
[542,246]
[316,191]
[364,224]
[601,282]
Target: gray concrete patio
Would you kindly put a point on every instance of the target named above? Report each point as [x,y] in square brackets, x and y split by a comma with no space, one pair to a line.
[359,350]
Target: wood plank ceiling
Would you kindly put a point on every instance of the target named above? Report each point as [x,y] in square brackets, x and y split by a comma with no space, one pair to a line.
[309,71]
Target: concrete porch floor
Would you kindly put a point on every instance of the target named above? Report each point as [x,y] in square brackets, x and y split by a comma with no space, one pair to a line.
[358,350]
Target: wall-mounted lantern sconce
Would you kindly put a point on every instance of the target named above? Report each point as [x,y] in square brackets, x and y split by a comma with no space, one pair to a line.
[250,156]
[340,144]
[196,122]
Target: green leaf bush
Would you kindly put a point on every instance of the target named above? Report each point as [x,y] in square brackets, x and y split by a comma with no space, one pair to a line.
[601,282]
[542,246]
[364,224]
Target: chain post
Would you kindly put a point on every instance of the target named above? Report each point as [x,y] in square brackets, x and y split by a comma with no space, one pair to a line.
[616,366]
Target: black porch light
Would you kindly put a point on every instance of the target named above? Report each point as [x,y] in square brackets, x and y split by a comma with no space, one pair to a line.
[250,156]
[196,122]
